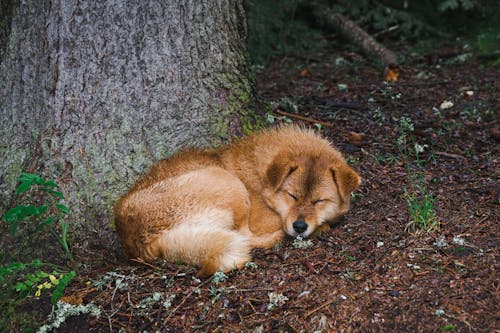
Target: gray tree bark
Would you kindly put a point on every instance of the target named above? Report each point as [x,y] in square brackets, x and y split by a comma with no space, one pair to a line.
[92,92]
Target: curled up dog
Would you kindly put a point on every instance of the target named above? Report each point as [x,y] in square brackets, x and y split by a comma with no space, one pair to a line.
[209,208]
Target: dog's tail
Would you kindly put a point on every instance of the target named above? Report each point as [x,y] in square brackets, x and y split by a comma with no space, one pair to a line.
[212,249]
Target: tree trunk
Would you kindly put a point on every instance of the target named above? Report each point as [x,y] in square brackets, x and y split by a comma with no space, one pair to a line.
[92,92]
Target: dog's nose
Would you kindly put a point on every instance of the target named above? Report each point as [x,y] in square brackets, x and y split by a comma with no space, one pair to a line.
[299,226]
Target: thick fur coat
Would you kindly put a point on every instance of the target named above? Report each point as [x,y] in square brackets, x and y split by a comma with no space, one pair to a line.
[210,207]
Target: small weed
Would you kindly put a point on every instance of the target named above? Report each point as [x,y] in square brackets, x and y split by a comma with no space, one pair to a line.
[347,255]
[49,215]
[353,161]
[289,104]
[216,293]
[386,159]
[419,200]
[41,209]
[421,208]
[271,118]
[29,279]
[448,328]
[439,269]
[379,116]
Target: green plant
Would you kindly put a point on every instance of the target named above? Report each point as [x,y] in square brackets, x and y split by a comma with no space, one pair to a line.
[31,280]
[49,215]
[446,5]
[418,198]
[448,328]
[421,208]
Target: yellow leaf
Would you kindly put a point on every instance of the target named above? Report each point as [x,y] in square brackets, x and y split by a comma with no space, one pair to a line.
[38,292]
[47,285]
[54,280]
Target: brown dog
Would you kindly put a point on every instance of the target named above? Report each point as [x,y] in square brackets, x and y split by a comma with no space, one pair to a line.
[211,207]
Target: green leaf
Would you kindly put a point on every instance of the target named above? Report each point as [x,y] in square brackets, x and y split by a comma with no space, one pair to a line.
[48,221]
[13,228]
[15,214]
[448,328]
[31,178]
[40,210]
[27,177]
[41,274]
[36,263]
[23,187]
[9,269]
[59,289]
[50,183]
[20,213]
[20,286]
[56,194]
[62,208]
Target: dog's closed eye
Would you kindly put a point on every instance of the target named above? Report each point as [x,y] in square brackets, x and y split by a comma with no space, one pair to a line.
[318,201]
[293,196]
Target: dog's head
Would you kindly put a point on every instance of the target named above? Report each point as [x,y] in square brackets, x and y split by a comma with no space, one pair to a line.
[309,190]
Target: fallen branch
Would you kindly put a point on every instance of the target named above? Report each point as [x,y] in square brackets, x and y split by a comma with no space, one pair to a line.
[339,22]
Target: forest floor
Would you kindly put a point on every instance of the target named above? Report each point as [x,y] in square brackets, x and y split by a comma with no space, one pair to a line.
[368,274]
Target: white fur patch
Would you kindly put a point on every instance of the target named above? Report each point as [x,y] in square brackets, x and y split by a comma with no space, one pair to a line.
[210,218]
[238,252]
[193,243]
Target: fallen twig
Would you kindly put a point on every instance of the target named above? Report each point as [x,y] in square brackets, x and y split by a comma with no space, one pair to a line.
[450,155]
[142,262]
[303,118]
[322,306]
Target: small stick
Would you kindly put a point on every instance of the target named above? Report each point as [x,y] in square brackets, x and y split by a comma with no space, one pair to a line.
[450,155]
[142,262]
[324,305]
[308,119]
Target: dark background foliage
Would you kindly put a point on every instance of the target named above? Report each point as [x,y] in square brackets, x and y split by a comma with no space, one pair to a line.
[287,27]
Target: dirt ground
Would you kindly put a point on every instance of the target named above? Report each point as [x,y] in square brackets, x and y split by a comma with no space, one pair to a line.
[366,274]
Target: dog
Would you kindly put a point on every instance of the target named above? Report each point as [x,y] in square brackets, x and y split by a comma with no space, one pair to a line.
[210,208]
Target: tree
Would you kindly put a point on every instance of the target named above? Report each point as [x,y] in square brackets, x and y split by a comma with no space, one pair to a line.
[92,92]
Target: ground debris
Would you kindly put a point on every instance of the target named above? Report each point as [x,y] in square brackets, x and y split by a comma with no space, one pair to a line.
[365,274]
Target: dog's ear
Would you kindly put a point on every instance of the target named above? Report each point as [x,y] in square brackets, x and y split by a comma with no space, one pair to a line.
[347,180]
[279,170]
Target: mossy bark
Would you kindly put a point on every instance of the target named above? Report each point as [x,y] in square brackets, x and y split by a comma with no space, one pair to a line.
[91,93]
